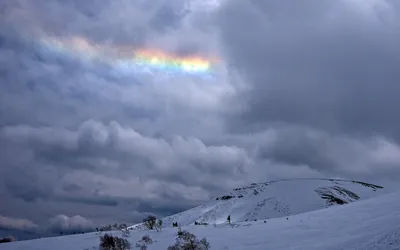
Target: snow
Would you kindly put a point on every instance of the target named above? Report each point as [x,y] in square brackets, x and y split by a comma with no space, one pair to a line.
[370,224]
[273,199]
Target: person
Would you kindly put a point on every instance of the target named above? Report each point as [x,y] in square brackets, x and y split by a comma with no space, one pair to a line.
[229,219]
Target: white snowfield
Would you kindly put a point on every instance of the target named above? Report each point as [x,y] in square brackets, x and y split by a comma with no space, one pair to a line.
[275,199]
[372,224]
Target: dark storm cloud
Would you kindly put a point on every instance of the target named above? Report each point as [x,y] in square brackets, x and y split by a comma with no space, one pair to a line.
[101,201]
[333,65]
[163,207]
[115,151]
[321,77]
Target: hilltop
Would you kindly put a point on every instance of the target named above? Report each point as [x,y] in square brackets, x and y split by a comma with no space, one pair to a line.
[275,199]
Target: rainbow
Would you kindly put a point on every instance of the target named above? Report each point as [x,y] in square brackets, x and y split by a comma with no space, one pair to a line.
[129,58]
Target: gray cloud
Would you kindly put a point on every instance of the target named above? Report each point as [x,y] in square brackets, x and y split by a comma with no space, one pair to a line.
[370,158]
[110,166]
[330,65]
[17,224]
[57,159]
[124,151]
[65,224]
[100,201]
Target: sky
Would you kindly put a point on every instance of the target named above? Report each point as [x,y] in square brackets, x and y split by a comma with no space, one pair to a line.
[279,89]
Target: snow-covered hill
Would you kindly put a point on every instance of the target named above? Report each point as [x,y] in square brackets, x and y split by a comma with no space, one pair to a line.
[275,199]
[372,224]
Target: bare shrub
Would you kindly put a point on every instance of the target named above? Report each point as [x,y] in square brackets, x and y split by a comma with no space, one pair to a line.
[144,242]
[105,228]
[125,232]
[150,222]
[180,232]
[109,242]
[205,244]
[120,226]
[189,241]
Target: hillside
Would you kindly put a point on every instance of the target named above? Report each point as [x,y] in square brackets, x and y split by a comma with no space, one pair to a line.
[275,199]
[372,224]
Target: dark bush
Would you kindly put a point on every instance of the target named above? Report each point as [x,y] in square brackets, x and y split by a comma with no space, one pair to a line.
[125,232]
[225,197]
[189,241]
[109,242]
[150,222]
[7,239]
[146,239]
[204,244]
[180,232]
[144,242]
[105,228]
[200,223]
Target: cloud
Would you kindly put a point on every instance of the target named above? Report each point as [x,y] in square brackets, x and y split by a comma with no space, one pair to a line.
[320,78]
[125,151]
[328,65]
[80,137]
[65,224]
[371,158]
[17,224]
[108,166]
[96,162]
[100,201]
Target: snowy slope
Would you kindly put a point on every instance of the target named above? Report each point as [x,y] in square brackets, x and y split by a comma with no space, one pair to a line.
[276,199]
[372,224]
